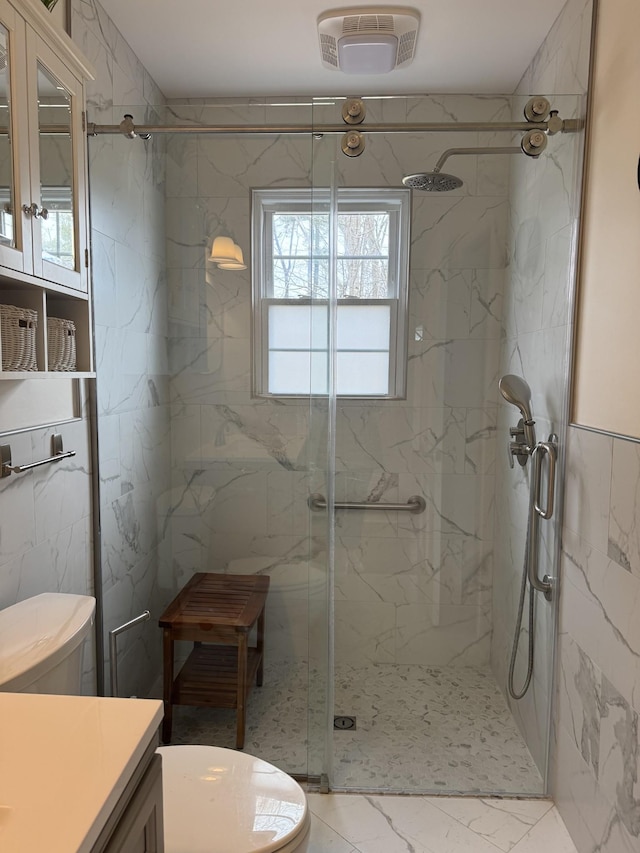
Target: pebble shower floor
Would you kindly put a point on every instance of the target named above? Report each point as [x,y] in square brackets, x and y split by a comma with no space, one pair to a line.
[419,729]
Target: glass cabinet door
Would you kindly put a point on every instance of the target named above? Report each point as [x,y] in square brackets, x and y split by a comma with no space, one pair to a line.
[7,199]
[15,233]
[57,168]
[57,243]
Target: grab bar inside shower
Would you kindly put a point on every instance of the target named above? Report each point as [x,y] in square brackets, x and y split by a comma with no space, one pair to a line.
[415,504]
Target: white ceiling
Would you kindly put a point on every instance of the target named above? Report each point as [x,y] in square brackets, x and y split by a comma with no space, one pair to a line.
[201,48]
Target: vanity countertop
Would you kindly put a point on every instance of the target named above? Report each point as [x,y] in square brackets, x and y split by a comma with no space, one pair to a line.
[64,762]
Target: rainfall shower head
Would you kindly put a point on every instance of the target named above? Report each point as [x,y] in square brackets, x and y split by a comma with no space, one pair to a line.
[438,182]
[432,182]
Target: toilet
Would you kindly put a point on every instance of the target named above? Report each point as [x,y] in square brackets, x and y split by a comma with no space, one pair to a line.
[42,643]
[218,800]
[215,800]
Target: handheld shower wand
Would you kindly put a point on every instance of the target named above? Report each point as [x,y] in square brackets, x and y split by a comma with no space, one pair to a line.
[516,391]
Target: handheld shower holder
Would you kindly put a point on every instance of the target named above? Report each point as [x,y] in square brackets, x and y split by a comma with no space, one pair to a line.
[519,448]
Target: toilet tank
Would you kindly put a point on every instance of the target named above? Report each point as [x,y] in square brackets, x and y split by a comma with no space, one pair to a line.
[41,643]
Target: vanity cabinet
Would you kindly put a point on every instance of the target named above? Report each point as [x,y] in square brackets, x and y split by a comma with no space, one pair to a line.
[139,817]
[95,787]
[44,259]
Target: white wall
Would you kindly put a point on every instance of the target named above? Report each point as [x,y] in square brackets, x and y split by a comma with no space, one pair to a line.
[607,344]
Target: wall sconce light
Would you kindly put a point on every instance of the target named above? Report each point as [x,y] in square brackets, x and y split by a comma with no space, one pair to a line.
[227,254]
[223,250]
[237,263]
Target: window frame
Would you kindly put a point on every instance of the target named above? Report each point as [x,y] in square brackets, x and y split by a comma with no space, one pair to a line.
[265,203]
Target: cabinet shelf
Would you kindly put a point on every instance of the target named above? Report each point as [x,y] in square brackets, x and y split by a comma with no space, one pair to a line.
[20,375]
[50,303]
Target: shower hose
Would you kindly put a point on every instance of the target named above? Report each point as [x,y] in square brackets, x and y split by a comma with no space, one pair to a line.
[516,638]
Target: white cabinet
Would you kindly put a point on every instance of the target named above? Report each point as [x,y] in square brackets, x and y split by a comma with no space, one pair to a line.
[44,261]
[139,827]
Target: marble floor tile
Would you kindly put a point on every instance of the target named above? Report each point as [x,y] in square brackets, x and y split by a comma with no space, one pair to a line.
[419,730]
[502,822]
[549,834]
[354,823]
[324,839]
[398,824]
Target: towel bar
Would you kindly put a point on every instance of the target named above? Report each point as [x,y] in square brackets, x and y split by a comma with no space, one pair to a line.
[7,468]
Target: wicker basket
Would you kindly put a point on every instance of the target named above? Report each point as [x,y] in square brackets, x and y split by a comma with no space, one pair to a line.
[61,344]
[18,336]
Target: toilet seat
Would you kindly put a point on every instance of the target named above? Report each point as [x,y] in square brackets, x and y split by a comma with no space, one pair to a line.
[218,800]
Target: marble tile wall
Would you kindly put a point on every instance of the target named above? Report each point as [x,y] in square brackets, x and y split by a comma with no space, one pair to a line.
[408,589]
[596,755]
[45,534]
[537,315]
[130,300]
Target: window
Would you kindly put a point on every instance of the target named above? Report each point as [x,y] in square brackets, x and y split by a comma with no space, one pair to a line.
[291,265]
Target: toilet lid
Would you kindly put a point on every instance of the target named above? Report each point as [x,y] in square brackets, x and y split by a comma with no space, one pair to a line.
[218,800]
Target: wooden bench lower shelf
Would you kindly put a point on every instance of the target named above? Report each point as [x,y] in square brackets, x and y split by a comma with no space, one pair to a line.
[210,677]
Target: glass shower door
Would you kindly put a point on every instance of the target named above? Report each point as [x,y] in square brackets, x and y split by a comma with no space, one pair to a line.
[244,456]
[419,632]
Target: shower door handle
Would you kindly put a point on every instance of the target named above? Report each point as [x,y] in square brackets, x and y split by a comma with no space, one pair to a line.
[544,449]
[541,450]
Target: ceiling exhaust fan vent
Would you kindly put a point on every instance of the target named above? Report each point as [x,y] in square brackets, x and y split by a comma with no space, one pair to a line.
[329,50]
[368,23]
[406,47]
[372,40]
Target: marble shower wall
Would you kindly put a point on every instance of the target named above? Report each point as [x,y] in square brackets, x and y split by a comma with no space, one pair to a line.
[537,314]
[130,300]
[596,756]
[410,589]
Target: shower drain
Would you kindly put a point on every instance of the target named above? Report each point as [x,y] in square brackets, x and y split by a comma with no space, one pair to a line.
[344,722]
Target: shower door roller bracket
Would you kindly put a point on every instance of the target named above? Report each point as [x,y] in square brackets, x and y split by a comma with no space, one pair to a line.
[353,111]
[352,143]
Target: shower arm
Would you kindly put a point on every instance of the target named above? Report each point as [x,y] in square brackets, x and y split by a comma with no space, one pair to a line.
[452,152]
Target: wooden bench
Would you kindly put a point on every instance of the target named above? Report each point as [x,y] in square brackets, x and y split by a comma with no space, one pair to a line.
[216,612]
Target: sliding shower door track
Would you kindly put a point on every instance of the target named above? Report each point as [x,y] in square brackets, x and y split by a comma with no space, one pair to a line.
[569,126]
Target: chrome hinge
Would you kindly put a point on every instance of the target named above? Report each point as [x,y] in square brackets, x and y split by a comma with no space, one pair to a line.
[84,120]
[86,258]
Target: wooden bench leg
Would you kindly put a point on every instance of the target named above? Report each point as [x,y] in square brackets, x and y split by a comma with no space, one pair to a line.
[167,666]
[260,642]
[241,704]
